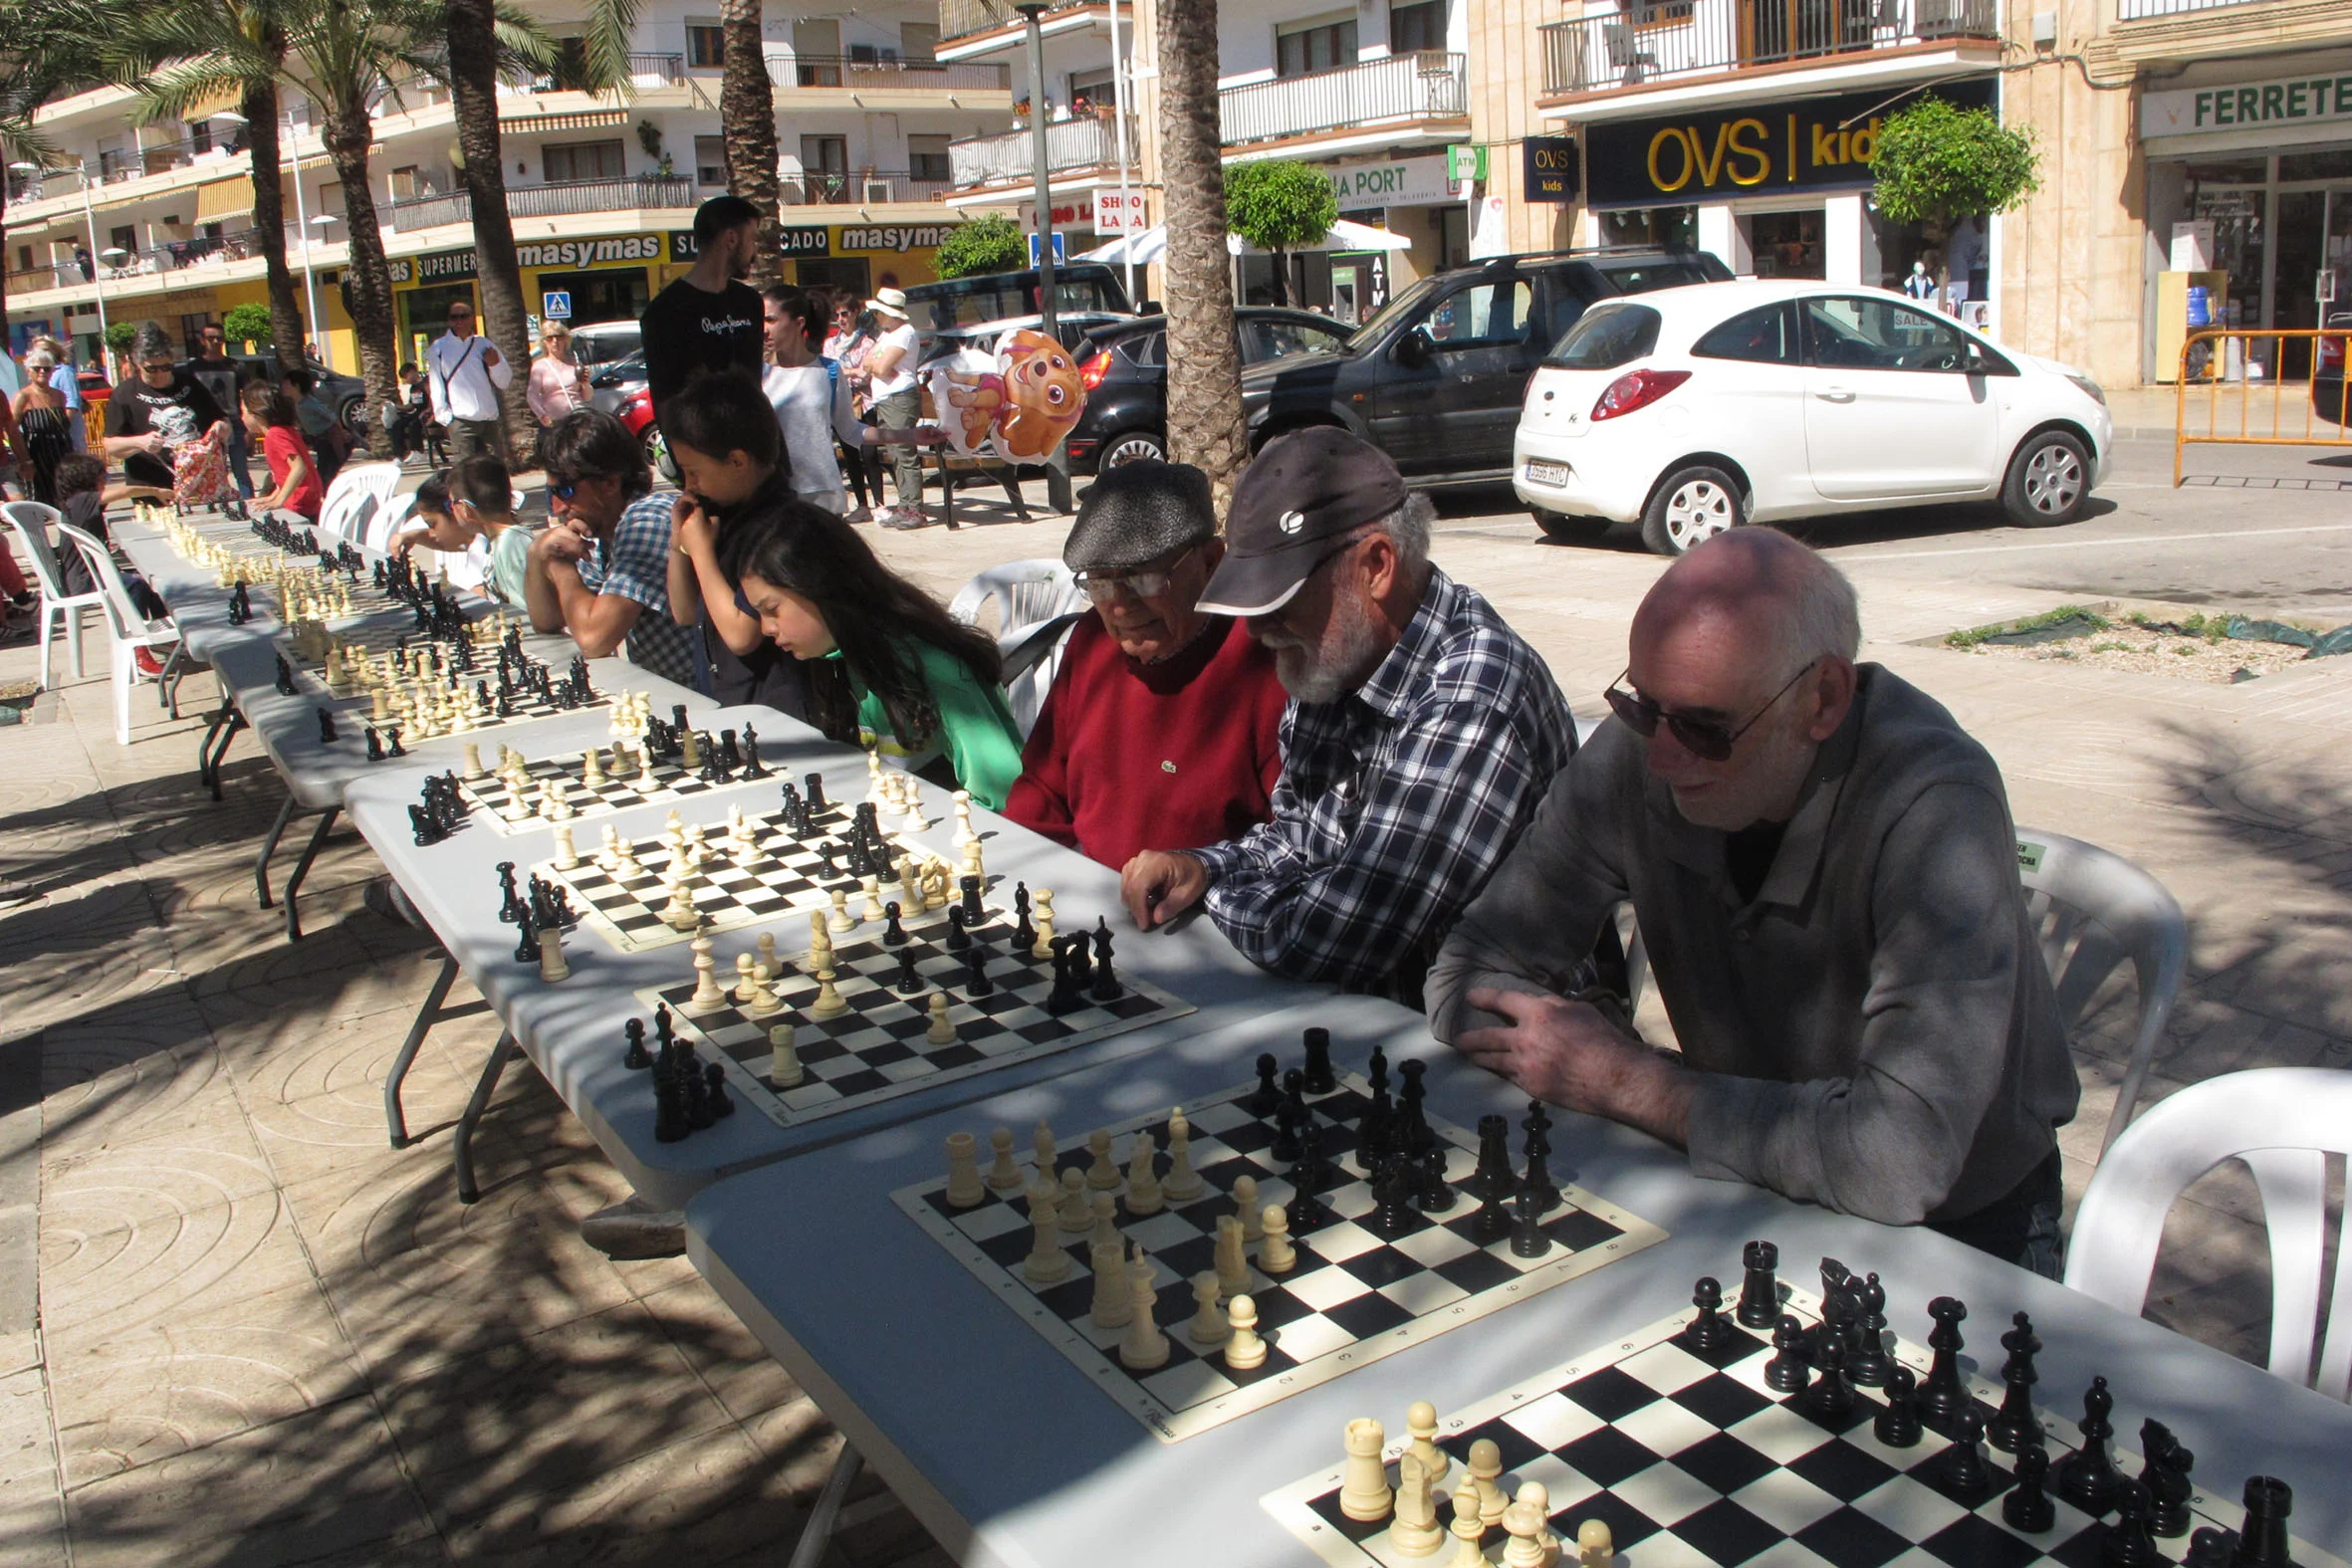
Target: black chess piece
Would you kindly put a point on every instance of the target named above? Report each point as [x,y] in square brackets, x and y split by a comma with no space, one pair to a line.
[910,984]
[1393,1187]
[662,1031]
[285,687]
[2014,1426]
[976,980]
[714,1083]
[1792,1353]
[753,768]
[635,1057]
[710,772]
[2262,1544]
[423,827]
[2208,1548]
[829,869]
[1064,996]
[1526,1230]
[696,1088]
[526,939]
[1829,1396]
[975,912]
[1897,1426]
[2163,1471]
[1493,1221]
[1965,1475]
[1941,1397]
[1024,934]
[2028,1506]
[1494,1177]
[1106,987]
[1537,1180]
[391,739]
[1410,1131]
[730,753]
[893,933]
[959,937]
[1436,1195]
[814,788]
[327,725]
[1289,1117]
[510,908]
[1262,1101]
[2087,1478]
[1866,1349]
[375,745]
[1709,1331]
[2127,1543]
[1321,1079]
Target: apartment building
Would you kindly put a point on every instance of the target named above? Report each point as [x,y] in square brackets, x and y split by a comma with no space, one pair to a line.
[2179,135]
[147,221]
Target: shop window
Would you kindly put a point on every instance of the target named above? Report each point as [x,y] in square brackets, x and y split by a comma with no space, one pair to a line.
[1878,335]
[710,161]
[1487,313]
[2335,164]
[1315,46]
[1659,228]
[1762,336]
[566,163]
[704,49]
[1416,27]
[926,159]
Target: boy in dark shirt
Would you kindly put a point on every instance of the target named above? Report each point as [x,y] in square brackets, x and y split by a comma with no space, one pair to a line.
[708,319]
[82,496]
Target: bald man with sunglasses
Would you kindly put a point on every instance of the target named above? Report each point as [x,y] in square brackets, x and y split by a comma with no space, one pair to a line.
[1824,872]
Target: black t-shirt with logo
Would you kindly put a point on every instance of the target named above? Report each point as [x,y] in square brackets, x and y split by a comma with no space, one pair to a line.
[687,331]
[179,412]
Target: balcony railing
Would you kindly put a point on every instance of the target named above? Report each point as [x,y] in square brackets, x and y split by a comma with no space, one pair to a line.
[887,76]
[169,257]
[1427,84]
[868,188]
[2137,10]
[959,18]
[128,164]
[1643,41]
[1084,144]
[644,192]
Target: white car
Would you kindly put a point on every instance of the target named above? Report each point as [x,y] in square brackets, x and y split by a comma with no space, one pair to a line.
[1694,409]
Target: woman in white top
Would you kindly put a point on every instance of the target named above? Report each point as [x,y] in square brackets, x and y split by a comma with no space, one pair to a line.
[811,396]
[896,400]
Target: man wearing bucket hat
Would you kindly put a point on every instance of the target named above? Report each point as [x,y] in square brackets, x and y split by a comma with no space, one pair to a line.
[894,398]
[1162,726]
[1420,737]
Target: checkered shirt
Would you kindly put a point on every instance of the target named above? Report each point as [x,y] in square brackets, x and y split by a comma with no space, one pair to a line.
[1395,802]
[635,566]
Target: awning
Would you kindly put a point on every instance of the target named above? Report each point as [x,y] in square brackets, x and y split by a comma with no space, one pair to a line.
[224,199]
[1148,246]
[596,119]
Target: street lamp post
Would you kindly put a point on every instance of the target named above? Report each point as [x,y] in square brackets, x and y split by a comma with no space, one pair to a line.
[1057,464]
[90,226]
[302,221]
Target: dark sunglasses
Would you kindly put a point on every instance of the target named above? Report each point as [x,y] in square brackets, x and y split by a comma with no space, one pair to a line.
[1710,740]
[564,492]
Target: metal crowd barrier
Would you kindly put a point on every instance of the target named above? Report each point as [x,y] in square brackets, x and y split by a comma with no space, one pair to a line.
[2242,405]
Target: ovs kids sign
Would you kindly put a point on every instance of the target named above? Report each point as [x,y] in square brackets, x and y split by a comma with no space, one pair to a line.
[1823,143]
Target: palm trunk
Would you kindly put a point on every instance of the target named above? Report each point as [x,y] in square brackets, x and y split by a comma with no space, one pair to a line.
[473,93]
[348,133]
[1204,394]
[259,105]
[747,120]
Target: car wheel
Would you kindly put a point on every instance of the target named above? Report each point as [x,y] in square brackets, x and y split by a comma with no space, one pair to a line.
[658,453]
[1135,446]
[2049,481]
[1569,530]
[355,417]
[1692,506]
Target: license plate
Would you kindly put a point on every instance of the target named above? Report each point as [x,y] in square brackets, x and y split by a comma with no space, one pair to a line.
[1548,473]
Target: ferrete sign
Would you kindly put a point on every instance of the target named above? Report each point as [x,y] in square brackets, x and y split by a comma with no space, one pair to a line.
[2289,101]
[1402,182]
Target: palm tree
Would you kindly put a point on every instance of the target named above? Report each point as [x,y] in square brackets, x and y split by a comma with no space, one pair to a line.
[1205,425]
[747,121]
[483,38]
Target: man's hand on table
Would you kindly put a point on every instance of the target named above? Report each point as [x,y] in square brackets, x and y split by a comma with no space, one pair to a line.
[1568,1055]
[1157,886]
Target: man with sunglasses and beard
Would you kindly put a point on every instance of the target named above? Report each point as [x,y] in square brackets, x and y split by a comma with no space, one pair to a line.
[1824,871]
[1419,739]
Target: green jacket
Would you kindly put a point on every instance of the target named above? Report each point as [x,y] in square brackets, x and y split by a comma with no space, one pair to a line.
[977,731]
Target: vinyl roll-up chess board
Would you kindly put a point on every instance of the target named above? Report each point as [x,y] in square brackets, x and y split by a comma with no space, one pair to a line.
[495,800]
[1694,1460]
[1353,1297]
[876,1050]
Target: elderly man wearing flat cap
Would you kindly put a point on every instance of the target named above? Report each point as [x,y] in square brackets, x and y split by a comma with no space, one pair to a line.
[1419,740]
[1162,727]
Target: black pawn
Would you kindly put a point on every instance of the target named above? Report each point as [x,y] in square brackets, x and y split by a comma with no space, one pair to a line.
[893,933]
[2087,1478]
[959,935]
[1866,1350]
[1394,1187]
[1106,986]
[1789,1369]
[1709,1331]
[1437,1196]
[1527,1231]
[2263,1543]
[2129,1545]
[1760,1291]
[714,1091]
[2014,1426]
[1965,1475]
[910,984]
[1492,1222]
[526,939]
[1829,1396]
[669,1105]
[1261,1102]
[1941,1397]
[635,1057]
[375,745]
[2028,1506]
[976,980]
[1321,1079]
[1896,1426]
[327,725]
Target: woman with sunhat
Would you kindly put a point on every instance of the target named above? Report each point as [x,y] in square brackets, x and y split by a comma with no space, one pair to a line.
[895,401]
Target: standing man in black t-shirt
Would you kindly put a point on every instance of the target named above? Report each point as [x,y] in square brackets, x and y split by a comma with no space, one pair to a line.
[158,409]
[220,375]
[709,320]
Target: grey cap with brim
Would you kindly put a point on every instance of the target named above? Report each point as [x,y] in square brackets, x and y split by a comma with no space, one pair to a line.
[1303,493]
[1138,512]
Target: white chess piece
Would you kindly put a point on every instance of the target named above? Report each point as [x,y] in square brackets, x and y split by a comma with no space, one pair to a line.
[1107,1217]
[1048,1260]
[473,762]
[1143,1183]
[1535,1497]
[1363,1481]
[1421,1421]
[1183,1184]
[871,907]
[592,768]
[1114,1304]
[1208,1326]
[608,854]
[567,858]
[913,820]
[1486,1468]
[1233,1264]
[940,1032]
[1466,1528]
[784,1063]
[1526,1549]
[1003,1173]
[551,966]
[1275,1254]
[764,999]
[1595,1547]
[829,1003]
[839,919]
[626,864]
[1245,1204]
[1101,1171]
[964,832]
[767,961]
[964,1188]
[1414,1531]
[1145,1347]
[1243,1350]
[1077,1201]
[743,978]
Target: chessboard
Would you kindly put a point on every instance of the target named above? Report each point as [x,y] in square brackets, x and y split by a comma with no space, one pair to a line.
[1358,1290]
[878,1049]
[1681,1447]
[507,809]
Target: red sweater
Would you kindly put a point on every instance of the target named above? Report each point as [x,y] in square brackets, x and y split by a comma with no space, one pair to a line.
[1128,757]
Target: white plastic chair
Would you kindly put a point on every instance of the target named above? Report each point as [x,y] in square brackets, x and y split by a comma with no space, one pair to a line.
[127,630]
[30,523]
[2092,911]
[359,491]
[1027,595]
[2285,1123]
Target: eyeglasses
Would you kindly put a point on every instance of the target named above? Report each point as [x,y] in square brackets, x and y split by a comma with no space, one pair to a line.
[1104,585]
[564,492]
[1710,740]
[160,368]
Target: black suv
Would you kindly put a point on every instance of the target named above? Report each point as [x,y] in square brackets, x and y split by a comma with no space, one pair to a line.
[345,394]
[1126,369]
[1435,380]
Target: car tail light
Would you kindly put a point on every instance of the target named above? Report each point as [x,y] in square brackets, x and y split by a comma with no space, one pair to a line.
[2331,354]
[1096,368]
[1636,389]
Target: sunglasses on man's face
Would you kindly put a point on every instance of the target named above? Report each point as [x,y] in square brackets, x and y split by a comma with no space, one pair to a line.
[1709,740]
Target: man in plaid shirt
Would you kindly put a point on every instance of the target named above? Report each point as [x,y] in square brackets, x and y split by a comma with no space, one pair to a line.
[1421,734]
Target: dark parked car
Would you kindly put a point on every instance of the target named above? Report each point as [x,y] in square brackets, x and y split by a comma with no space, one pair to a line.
[1435,380]
[342,393]
[1126,369]
[617,382]
[971,311]
[2328,386]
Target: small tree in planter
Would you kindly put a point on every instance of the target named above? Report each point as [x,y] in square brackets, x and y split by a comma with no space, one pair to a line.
[117,339]
[993,243]
[248,324]
[1279,206]
[1935,163]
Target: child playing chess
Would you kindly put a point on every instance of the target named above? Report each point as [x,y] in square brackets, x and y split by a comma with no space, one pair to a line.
[294,472]
[469,511]
[885,664]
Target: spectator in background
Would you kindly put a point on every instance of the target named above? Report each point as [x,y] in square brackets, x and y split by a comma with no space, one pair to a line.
[811,398]
[708,319]
[82,264]
[464,374]
[67,382]
[156,410]
[330,443]
[42,426]
[221,375]
[851,341]
[896,400]
[294,472]
[558,384]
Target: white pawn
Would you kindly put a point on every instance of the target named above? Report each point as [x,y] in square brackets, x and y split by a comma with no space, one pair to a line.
[871,907]
[1233,1264]
[1102,1173]
[646,783]
[1595,1547]
[1466,1528]
[1245,1204]
[1145,1347]
[592,768]
[829,1003]
[1106,1219]
[609,853]
[964,1188]
[1414,1531]
[964,832]
[1363,1481]
[744,979]
[1143,1182]
[1114,1303]
[1525,1549]
[1209,1326]
[1486,1468]
[1245,1350]
[1537,1498]
[625,859]
[1275,1254]
[839,919]
[915,821]
[1421,1421]
[1048,1260]
[1077,1201]
[767,963]
[1183,1183]
[551,966]
[566,857]
[1003,1173]
[764,999]
[941,1031]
